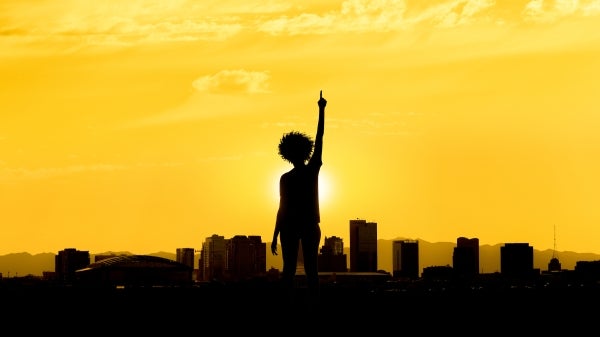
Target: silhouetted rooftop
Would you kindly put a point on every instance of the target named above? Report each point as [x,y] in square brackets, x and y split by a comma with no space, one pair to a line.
[135,261]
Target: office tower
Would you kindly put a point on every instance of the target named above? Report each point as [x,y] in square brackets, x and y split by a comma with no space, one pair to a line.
[363,246]
[516,260]
[259,261]
[588,271]
[405,258]
[332,257]
[246,257]
[465,258]
[212,258]
[68,261]
[185,256]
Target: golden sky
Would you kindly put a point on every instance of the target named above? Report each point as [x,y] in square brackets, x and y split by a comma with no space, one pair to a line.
[147,126]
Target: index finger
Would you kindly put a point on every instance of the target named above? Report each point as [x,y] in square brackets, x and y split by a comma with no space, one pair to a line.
[321,94]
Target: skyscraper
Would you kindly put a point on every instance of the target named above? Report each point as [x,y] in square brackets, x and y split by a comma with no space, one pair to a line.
[332,257]
[185,256]
[212,258]
[465,258]
[405,259]
[246,257]
[68,260]
[363,246]
[516,260]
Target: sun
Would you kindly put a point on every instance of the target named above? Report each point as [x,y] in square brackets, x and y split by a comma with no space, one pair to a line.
[325,187]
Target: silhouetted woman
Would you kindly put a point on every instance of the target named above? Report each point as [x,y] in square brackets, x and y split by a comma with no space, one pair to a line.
[298,216]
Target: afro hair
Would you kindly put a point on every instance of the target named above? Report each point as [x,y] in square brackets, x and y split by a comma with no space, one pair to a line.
[295,147]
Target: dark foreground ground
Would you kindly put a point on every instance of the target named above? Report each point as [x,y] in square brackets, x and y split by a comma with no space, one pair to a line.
[266,310]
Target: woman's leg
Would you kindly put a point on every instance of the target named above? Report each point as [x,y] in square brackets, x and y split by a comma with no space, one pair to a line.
[289,252]
[310,249]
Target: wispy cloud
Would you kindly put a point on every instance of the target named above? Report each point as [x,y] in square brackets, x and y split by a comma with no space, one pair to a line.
[219,159]
[399,15]
[124,23]
[383,123]
[112,23]
[550,11]
[207,98]
[231,157]
[12,174]
[234,81]
[8,174]
[285,124]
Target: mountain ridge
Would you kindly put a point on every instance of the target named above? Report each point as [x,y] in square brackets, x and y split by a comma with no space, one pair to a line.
[430,254]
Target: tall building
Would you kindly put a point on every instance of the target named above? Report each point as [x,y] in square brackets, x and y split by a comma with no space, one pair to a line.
[332,257]
[363,246]
[185,256]
[212,258]
[68,261]
[465,257]
[516,260]
[405,258]
[246,257]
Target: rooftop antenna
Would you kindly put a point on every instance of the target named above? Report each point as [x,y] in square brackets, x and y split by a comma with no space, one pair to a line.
[554,264]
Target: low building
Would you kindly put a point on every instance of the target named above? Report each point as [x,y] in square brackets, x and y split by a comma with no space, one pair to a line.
[135,271]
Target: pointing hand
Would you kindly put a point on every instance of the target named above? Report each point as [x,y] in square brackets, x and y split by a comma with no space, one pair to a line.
[322,101]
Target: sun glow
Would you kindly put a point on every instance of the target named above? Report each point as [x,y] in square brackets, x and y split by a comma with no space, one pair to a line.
[325,187]
[488,121]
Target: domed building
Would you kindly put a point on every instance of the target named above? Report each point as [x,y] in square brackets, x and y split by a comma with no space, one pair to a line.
[135,271]
[554,264]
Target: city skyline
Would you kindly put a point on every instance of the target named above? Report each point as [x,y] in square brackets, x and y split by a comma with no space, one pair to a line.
[431,254]
[148,126]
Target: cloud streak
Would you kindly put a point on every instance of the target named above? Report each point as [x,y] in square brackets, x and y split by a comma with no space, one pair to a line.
[233,81]
[118,23]
[239,84]
[14,174]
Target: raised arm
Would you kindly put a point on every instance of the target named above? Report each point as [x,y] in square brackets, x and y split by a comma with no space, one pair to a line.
[318,150]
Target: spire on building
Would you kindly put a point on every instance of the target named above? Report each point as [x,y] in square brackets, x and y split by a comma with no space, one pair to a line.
[554,264]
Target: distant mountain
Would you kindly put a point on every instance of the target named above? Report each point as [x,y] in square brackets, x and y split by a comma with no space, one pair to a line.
[22,264]
[430,254]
